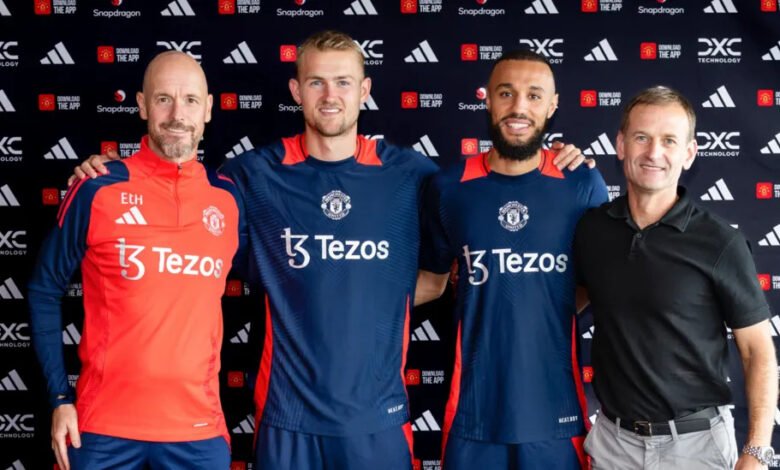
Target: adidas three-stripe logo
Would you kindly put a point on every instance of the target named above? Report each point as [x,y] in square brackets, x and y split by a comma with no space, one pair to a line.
[9,291]
[361,7]
[721,6]
[12,382]
[772,238]
[719,99]
[242,336]
[71,335]
[601,53]
[240,55]
[7,197]
[425,332]
[61,151]
[4,11]
[58,56]
[243,145]
[17,465]
[600,146]
[773,146]
[542,7]
[247,426]
[589,334]
[421,54]
[178,8]
[775,322]
[132,217]
[718,192]
[5,103]
[425,147]
[773,54]
[426,422]
[369,105]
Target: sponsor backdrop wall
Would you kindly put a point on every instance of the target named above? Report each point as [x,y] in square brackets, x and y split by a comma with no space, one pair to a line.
[69,70]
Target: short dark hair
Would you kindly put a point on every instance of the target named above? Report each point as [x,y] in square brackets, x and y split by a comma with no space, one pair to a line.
[522,54]
[660,95]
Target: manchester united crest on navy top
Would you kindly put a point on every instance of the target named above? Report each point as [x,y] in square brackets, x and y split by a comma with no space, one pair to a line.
[213,220]
[513,216]
[336,205]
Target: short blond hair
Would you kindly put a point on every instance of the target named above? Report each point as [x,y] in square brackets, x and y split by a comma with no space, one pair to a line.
[329,40]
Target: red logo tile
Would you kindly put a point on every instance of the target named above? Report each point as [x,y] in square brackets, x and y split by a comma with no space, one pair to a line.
[588,98]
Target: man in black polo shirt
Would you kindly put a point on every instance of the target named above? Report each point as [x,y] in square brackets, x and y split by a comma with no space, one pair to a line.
[663,277]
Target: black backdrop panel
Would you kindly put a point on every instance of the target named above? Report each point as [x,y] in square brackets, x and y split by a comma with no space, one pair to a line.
[69,70]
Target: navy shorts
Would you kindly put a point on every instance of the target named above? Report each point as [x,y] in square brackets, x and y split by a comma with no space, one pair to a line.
[558,454]
[279,449]
[98,452]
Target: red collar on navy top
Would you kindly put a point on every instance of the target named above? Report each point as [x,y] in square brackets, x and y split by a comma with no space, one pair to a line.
[295,151]
[149,162]
[479,166]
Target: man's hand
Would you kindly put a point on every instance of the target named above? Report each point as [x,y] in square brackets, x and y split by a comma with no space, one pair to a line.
[569,156]
[92,167]
[64,424]
[748,462]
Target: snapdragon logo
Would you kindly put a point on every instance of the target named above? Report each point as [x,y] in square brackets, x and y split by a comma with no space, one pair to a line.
[479,263]
[299,249]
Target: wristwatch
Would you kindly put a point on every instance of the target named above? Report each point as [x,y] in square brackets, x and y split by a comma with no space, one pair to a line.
[763,454]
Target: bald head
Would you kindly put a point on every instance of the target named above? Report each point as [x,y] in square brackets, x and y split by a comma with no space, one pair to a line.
[177,61]
[176,103]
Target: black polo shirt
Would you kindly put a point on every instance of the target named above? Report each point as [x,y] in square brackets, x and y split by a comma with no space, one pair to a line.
[660,297]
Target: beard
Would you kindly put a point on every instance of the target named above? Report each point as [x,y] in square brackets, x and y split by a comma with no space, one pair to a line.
[520,151]
[173,147]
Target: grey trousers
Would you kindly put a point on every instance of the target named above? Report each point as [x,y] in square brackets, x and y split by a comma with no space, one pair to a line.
[613,448]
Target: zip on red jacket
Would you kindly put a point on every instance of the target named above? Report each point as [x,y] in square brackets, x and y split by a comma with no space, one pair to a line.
[155,241]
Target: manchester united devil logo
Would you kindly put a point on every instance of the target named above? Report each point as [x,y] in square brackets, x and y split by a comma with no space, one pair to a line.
[336,205]
[513,216]
[213,220]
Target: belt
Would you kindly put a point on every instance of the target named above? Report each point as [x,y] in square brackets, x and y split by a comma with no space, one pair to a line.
[698,421]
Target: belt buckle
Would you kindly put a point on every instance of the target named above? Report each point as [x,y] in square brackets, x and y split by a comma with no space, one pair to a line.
[643,428]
